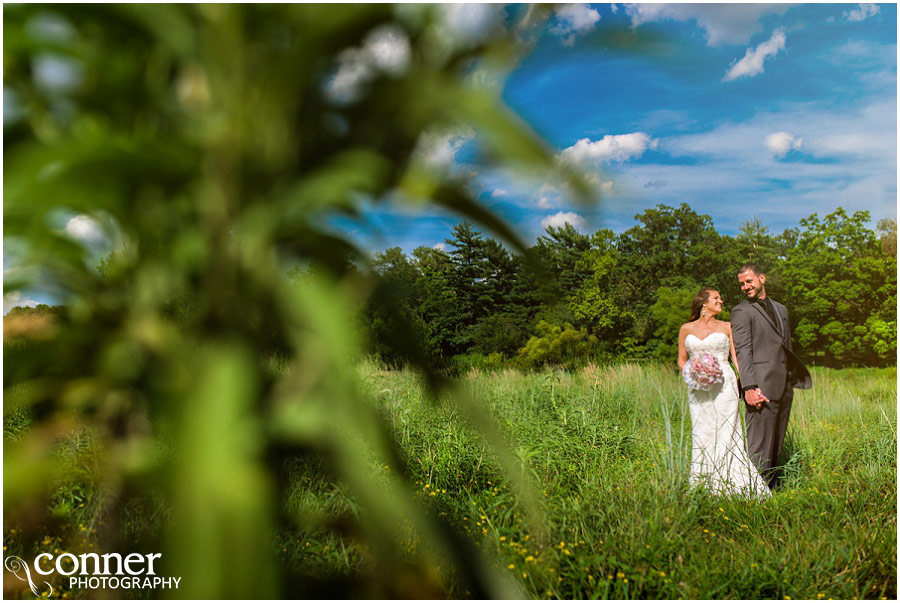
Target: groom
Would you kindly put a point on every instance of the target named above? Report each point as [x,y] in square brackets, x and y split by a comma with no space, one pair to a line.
[769,370]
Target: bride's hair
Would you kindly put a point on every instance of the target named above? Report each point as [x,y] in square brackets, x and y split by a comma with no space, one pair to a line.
[699,300]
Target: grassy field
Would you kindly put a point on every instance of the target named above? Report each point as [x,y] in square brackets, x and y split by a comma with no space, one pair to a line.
[607,451]
[609,448]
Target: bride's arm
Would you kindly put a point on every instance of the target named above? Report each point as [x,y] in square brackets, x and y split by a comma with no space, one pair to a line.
[682,352]
[734,361]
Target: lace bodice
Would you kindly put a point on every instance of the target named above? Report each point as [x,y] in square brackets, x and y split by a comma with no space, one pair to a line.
[719,458]
[717,344]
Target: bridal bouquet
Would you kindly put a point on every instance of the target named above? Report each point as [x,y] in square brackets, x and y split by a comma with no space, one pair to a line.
[702,372]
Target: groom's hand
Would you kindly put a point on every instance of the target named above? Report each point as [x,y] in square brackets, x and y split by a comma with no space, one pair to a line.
[755,397]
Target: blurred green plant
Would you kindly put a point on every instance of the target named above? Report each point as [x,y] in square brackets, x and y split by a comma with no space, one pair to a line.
[208,145]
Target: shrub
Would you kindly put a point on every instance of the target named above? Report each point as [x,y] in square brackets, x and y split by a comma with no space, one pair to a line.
[556,345]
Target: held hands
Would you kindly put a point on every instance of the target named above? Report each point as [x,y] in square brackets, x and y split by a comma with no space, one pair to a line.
[755,397]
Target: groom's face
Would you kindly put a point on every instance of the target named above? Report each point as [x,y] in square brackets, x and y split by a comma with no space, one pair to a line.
[752,284]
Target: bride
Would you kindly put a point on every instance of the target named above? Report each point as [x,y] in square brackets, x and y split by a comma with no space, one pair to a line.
[719,459]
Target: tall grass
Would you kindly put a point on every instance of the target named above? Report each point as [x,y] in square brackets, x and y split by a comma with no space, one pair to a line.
[610,448]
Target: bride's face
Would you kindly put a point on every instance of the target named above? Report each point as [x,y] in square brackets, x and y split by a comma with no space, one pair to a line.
[713,303]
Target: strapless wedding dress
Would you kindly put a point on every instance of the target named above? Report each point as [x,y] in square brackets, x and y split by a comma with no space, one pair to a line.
[719,460]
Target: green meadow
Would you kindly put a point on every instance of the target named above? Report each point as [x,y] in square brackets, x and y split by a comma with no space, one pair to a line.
[608,450]
[604,452]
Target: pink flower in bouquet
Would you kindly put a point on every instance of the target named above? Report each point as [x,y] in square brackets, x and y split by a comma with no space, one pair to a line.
[702,372]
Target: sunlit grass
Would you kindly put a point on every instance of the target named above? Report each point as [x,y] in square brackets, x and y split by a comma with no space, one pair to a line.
[609,447]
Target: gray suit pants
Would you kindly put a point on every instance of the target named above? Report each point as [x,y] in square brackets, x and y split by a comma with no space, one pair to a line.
[766,428]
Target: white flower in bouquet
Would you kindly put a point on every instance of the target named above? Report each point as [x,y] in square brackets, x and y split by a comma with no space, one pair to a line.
[702,372]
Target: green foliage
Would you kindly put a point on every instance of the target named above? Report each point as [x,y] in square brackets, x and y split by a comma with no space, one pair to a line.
[671,244]
[842,290]
[755,243]
[209,145]
[669,313]
[464,363]
[623,291]
[599,302]
[557,345]
[438,295]
[38,310]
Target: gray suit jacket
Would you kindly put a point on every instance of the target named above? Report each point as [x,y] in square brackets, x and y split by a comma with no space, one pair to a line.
[766,358]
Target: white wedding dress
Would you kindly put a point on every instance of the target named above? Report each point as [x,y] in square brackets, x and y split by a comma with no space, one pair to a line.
[719,460]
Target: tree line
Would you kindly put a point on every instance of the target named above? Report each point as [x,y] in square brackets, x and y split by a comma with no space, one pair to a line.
[605,297]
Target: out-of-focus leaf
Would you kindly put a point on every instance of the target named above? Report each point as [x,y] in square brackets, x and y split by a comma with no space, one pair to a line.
[30,466]
[205,139]
[171,23]
[223,497]
[337,184]
[457,199]
[326,394]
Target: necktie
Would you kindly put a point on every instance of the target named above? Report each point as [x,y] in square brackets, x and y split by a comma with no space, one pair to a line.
[770,310]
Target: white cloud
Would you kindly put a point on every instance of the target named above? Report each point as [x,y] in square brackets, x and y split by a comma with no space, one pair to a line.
[863,12]
[779,143]
[14,299]
[723,23]
[752,63]
[613,8]
[438,149]
[547,196]
[846,133]
[439,246]
[553,195]
[847,161]
[601,185]
[574,19]
[611,147]
[487,77]
[85,229]
[469,24]
[605,186]
[385,50]
[560,219]
[499,192]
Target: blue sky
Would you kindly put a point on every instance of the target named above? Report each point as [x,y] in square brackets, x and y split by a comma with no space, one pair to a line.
[739,110]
